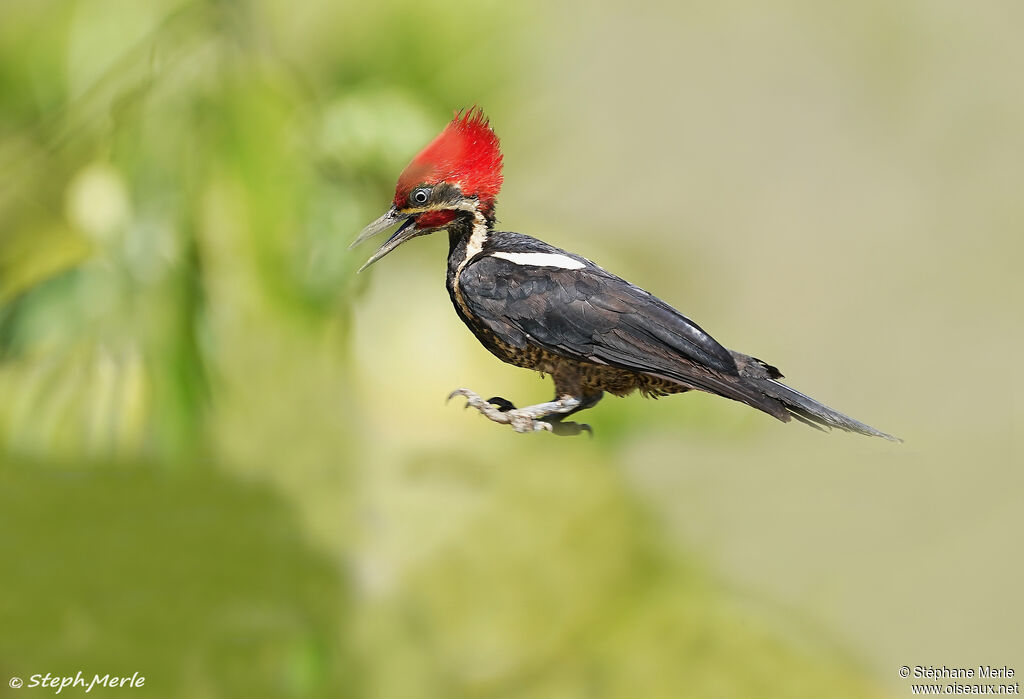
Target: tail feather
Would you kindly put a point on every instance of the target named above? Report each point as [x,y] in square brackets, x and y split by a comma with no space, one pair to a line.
[809,411]
[803,408]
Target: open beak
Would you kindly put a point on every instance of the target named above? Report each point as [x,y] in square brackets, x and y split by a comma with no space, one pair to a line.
[407,231]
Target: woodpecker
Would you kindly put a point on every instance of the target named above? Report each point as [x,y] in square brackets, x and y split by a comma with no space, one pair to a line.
[539,307]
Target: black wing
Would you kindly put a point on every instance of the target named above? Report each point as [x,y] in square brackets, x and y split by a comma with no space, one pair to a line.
[591,315]
[588,313]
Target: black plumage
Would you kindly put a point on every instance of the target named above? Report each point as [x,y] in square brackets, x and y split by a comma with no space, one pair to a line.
[595,332]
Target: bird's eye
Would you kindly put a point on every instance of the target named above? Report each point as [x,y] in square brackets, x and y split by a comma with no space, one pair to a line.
[420,196]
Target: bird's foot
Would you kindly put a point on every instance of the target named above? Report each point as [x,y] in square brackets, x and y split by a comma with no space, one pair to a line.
[503,412]
[528,419]
[568,429]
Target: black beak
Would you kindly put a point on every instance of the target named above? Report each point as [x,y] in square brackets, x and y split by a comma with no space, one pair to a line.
[407,231]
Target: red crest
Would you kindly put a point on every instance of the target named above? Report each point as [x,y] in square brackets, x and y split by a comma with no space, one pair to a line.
[466,153]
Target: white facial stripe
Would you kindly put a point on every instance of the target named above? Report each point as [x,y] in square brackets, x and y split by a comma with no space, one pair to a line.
[540,259]
[474,246]
[478,237]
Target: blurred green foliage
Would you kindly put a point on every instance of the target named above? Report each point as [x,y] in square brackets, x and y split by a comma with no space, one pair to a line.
[203,479]
[183,166]
[204,583]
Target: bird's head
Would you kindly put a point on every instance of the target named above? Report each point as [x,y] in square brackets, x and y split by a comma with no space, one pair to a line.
[457,175]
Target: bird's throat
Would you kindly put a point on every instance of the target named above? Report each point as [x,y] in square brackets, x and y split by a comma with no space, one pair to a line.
[467,237]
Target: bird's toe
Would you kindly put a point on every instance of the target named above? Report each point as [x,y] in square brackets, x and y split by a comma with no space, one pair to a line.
[473,400]
[465,392]
[503,404]
[569,429]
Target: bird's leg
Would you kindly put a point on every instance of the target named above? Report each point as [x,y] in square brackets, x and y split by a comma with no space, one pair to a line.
[528,419]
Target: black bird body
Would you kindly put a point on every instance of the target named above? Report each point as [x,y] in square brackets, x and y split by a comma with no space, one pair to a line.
[594,332]
[539,307]
[572,323]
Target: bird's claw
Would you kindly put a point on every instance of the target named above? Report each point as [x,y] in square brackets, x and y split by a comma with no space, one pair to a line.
[522,420]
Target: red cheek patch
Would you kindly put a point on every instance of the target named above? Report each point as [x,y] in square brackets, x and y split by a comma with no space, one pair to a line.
[435,219]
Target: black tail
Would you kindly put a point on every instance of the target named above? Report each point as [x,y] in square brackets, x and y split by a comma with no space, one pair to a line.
[804,408]
[815,414]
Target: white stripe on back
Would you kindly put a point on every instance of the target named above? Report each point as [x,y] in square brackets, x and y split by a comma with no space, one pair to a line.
[540,259]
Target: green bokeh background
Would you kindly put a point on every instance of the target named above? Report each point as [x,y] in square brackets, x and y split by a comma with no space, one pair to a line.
[225,459]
